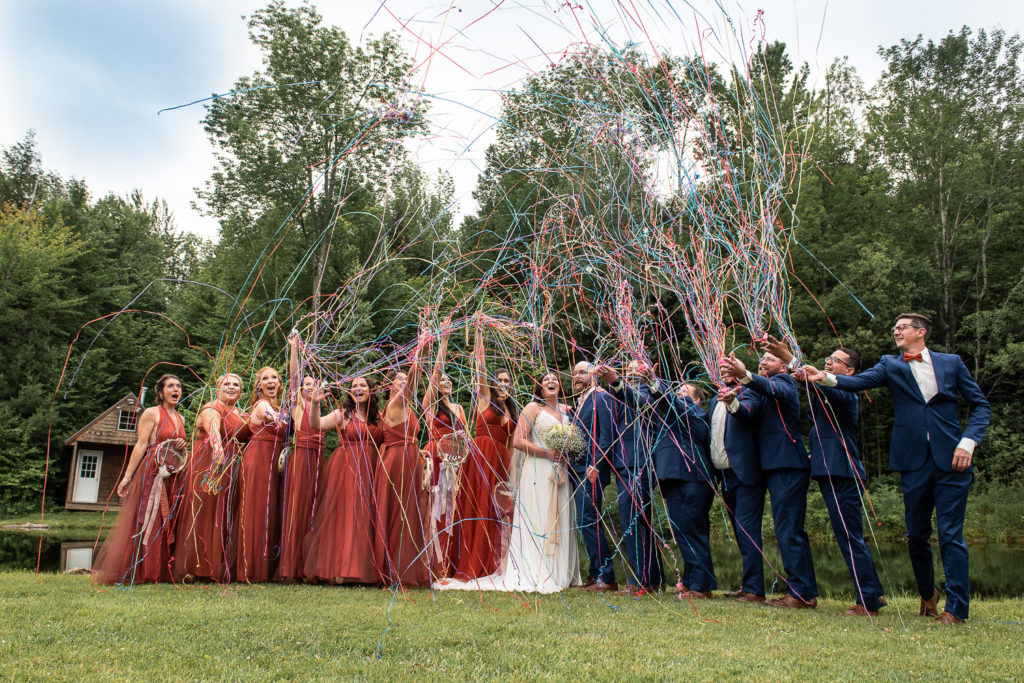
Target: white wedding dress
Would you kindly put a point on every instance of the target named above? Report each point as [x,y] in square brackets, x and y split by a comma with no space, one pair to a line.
[542,552]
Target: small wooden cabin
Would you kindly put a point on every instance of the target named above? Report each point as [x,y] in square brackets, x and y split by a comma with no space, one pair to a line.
[100,450]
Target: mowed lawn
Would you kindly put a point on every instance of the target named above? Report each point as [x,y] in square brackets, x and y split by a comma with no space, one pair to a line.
[64,627]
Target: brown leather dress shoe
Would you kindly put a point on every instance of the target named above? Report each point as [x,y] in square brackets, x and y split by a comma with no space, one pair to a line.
[928,607]
[749,597]
[602,587]
[793,602]
[733,594]
[633,591]
[587,584]
[860,611]
[696,595]
[947,619]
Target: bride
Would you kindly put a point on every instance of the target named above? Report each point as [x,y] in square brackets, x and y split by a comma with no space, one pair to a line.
[542,553]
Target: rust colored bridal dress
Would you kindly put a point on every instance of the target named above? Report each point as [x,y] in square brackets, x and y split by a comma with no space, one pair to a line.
[140,545]
[399,548]
[339,548]
[203,527]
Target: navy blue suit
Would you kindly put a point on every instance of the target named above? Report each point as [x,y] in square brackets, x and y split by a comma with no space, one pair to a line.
[633,474]
[924,436]
[687,483]
[836,466]
[743,487]
[595,418]
[786,471]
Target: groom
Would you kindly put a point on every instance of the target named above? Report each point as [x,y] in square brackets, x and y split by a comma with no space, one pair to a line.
[595,417]
[930,451]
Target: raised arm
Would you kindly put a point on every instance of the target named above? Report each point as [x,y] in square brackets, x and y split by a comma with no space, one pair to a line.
[294,383]
[144,432]
[483,387]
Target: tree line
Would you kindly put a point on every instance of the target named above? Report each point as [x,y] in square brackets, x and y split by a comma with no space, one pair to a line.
[907,198]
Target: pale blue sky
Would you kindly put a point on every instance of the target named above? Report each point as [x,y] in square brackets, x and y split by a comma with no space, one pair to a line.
[91,76]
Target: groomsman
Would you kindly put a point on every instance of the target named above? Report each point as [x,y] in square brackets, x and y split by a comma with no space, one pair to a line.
[686,480]
[595,417]
[786,471]
[632,464]
[836,466]
[734,452]
[930,451]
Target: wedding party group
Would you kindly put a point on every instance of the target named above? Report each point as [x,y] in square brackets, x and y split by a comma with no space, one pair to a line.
[413,496]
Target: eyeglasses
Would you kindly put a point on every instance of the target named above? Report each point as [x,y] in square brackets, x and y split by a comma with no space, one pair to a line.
[837,359]
[900,328]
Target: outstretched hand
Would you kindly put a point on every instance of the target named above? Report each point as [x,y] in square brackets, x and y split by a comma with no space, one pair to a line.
[777,348]
[727,394]
[812,374]
[732,367]
[606,373]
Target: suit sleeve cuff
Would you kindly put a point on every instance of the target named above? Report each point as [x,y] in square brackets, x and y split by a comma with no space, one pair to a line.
[654,386]
[733,406]
[967,444]
[794,364]
[617,386]
[745,379]
[829,381]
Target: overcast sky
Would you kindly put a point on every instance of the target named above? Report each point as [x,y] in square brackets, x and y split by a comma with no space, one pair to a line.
[90,77]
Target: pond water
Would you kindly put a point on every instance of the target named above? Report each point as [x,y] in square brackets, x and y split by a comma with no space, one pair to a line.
[996,570]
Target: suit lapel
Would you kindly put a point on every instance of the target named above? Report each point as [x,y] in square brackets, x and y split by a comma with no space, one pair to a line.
[938,368]
[908,375]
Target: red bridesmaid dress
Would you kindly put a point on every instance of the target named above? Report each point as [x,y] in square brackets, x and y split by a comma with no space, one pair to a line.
[133,554]
[478,520]
[257,525]
[301,487]
[399,539]
[339,549]
[440,532]
[203,533]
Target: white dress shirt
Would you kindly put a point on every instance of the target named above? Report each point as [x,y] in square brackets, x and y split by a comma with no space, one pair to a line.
[924,374]
[719,458]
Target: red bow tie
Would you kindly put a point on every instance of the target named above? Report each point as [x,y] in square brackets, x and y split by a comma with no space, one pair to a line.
[907,357]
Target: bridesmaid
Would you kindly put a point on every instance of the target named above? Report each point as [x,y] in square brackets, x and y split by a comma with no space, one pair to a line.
[202,531]
[399,548]
[443,418]
[479,523]
[339,549]
[302,470]
[257,525]
[138,550]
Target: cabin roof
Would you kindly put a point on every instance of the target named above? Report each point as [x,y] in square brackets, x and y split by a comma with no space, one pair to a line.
[103,429]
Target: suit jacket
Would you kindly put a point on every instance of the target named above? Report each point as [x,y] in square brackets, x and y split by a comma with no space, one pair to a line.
[778,433]
[681,436]
[741,436]
[635,440]
[834,434]
[595,418]
[921,428]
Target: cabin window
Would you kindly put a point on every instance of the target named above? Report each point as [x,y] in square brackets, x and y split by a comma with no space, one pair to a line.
[126,421]
[88,466]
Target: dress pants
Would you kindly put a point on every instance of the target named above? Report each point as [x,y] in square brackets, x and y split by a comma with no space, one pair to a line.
[924,490]
[688,504]
[842,499]
[746,511]
[788,489]
[588,498]
[637,541]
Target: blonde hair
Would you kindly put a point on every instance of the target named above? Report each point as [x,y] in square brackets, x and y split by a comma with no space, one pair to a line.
[257,392]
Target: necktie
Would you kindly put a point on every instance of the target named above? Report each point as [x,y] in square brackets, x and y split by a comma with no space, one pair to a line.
[907,357]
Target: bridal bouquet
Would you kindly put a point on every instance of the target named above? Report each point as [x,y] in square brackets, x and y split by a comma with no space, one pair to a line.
[565,439]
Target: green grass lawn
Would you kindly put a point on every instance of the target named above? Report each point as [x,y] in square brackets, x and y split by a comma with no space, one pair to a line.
[64,627]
